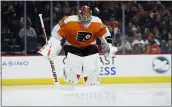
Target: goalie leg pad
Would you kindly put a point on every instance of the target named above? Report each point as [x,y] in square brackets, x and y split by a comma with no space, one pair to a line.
[90,65]
[92,79]
[73,67]
[74,62]
[70,76]
[90,69]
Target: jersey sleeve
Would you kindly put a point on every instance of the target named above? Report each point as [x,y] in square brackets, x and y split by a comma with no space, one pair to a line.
[103,32]
[61,28]
[63,31]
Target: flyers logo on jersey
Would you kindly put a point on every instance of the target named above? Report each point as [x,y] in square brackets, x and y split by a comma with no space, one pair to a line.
[83,36]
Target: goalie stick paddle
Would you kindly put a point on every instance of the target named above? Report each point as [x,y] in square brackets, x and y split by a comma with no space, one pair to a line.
[51,62]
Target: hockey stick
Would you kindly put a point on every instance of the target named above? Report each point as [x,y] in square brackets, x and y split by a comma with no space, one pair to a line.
[51,62]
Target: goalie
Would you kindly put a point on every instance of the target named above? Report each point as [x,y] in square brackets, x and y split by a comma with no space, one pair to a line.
[82,56]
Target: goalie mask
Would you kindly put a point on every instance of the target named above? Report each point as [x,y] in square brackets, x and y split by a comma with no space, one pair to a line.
[84,14]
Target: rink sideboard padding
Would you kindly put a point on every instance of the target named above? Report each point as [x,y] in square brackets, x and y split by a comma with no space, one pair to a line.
[35,70]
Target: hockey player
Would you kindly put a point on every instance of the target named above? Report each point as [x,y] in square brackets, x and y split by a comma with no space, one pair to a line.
[82,56]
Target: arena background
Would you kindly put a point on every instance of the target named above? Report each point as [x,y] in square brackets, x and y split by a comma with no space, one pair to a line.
[140,73]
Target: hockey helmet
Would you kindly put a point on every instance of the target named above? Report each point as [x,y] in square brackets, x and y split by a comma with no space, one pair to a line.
[84,14]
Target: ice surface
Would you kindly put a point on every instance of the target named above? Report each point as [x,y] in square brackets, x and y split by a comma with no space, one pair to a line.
[100,95]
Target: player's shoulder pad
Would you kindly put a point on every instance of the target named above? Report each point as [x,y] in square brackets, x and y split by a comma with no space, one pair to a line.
[71,18]
[96,19]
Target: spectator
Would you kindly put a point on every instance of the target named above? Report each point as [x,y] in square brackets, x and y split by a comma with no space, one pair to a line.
[134,30]
[157,34]
[117,41]
[18,6]
[46,18]
[105,15]
[10,17]
[153,48]
[57,7]
[113,25]
[169,46]
[138,45]
[166,47]
[31,37]
[150,39]
[4,8]
[170,35]
[128,30]
[127,47]
[57,12]
[150,19]
[66,9]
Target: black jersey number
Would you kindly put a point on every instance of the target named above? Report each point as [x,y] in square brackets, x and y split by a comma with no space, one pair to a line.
[83,36]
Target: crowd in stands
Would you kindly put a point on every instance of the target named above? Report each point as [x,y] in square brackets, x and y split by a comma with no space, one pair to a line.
[148,24]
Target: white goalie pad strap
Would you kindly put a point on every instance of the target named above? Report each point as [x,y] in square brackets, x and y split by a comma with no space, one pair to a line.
[51,49]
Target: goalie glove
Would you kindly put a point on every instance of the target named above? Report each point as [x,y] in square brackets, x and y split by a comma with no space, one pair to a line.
[51,49]
[108,49]
[111,51]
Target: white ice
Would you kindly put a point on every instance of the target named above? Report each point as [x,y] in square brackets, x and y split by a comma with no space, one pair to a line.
[100,95]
